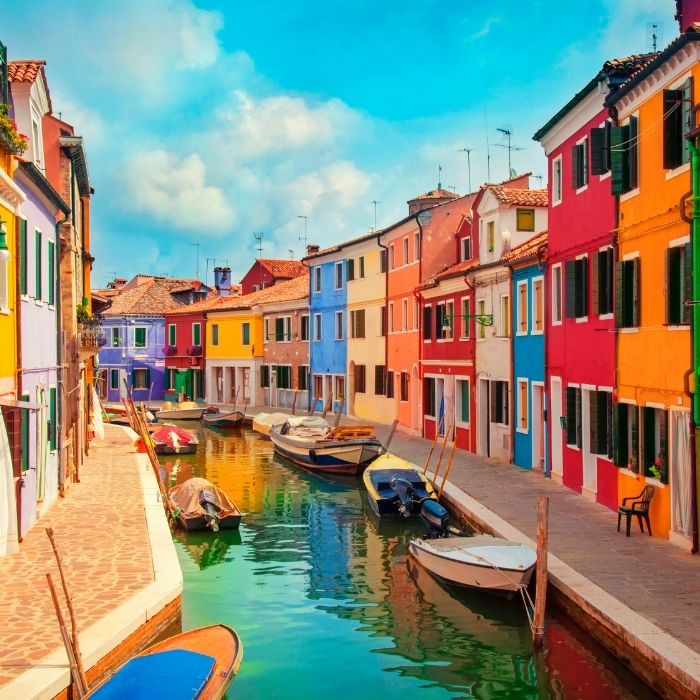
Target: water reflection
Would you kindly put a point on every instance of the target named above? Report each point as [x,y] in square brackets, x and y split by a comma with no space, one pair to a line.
[316,582]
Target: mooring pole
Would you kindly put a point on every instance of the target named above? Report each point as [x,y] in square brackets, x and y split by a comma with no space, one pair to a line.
[541,572]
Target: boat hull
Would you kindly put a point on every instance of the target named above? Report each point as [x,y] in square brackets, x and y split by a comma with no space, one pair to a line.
[225,420]
[468,571]
[180,414]
[163,449]
[263,422]
[198,523]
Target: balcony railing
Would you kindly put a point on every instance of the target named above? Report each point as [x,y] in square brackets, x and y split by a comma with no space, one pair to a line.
[91,337]
[170,350]
[194,350]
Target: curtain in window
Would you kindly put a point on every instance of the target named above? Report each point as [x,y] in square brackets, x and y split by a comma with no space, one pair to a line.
[680,472]
[8,506]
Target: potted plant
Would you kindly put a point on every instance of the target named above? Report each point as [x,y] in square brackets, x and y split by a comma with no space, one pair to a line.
[16,142]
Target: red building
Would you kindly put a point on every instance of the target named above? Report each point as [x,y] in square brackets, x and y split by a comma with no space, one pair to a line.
[184,351]
[579,282]
[266,271]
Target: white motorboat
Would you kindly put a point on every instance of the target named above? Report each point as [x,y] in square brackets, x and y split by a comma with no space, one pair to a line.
[263,422]
[187,410]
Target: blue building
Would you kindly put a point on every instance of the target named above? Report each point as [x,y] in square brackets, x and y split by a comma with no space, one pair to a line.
[527,263]
[328,327]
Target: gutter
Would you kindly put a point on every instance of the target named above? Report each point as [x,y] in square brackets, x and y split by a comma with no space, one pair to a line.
[386,311]
[310,390]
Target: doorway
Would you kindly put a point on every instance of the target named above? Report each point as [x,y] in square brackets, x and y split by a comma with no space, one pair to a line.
[538,425]
[556,427]
[483,403]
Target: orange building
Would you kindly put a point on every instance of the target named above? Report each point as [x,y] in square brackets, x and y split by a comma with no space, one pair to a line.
[651,175]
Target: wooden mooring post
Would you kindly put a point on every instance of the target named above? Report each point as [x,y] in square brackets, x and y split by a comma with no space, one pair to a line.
[541,571]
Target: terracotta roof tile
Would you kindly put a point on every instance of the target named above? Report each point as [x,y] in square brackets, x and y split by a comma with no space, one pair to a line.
[524,198]
[525,250]
[436,194]
[153,296]
[24,71]
[456,270]
[283,269]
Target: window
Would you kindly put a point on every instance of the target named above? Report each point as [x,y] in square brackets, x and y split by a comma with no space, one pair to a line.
[429,397]
[404,315]
[523,408]
[525,219]
[380,380]
[556,180]
[339,388]
[23,256]
[579,164]
[415,314]
[339,325]
[573,417]
[51,276]
[245,333]
[466,318]
[305,327]
[139,378]
[303,377]
[391,317]
[624,156]
[416,245]
[38,264]
[600,149]
[427,323]
[538,305]
[196,334]
[318,386]
[357,323]
[215,334]
[522,308]
[140,337]
[576,288]
[266,330]
[339,275]
[114,379]
[679,284]
[360,379]
[24,435]
[390,385]
[462,397]
[53,431]
[449,321]
[677,111]
[382,260]
[481,311]
[504,330]
[283,377]
[391,256]
[317,279]
[466,248]
[317,326]
[265,376]
[627,282]
[439,320]
[491,236]
[361,261]
[283,329]
[170,375]
[404,386]
[602,281]
[499,402]
[641,437]
[405,251]
[351,269]
[600,423]
[171,334]
[116,340]
[556,293]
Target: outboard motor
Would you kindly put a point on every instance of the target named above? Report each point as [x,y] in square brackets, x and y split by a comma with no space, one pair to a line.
[436,519]
[211,509]
[406,493]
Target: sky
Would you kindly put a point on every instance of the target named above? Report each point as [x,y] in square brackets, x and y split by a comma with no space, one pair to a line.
[208,122]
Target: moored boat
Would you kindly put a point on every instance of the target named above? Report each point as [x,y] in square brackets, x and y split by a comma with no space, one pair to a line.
[200,505]
[263,422]
[169,440]
[396,486]
[186,410]
[227,419]
[310,442]
[198,665]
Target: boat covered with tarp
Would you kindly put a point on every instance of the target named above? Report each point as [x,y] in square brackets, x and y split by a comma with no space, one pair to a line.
[170,439]
[200,505]
[263,422]
[184,410]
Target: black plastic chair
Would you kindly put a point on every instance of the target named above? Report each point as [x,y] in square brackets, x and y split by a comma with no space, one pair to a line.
[639,506]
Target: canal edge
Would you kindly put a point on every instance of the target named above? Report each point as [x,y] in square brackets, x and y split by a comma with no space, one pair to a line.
[129,628]
[661,660]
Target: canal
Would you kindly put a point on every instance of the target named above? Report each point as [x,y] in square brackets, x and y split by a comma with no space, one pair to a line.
[328,604]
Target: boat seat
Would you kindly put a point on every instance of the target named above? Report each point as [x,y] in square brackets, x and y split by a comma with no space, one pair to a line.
[639,506]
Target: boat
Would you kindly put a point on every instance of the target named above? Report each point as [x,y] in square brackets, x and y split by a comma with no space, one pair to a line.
[480,561]
[186,410]
[309,442]
[200,505]
[396,486]
[170,440]
[263,422]
[197,665]
[228,419]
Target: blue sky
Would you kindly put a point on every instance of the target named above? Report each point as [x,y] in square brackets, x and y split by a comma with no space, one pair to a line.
[207,121]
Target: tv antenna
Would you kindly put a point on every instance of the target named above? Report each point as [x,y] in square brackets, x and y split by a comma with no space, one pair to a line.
[655,35]
[196,245]
[303,238]
[375,202]
[453,188]
[539,179]
[507,133]
[258,236]
[439,177]
[468,151]
[291,253]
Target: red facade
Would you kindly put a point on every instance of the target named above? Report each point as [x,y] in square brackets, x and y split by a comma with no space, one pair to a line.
[184,354]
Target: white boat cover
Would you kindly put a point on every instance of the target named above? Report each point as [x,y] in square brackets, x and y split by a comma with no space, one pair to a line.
[484,550]
[307,422]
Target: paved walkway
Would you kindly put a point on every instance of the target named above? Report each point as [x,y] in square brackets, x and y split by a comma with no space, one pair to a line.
[649,575]
[101,532]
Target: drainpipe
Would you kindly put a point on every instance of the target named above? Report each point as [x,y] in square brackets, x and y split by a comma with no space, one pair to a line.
[386,310]
[59,361]
[542,265]
[512,369]
[310,390]
[420,325]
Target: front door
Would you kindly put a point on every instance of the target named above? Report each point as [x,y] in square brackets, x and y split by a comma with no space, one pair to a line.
[484,423]
[590,476]
[537,426]
[556,427]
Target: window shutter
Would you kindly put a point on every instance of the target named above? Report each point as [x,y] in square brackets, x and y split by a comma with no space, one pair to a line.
[382,260]
[619,445]
[570,415]
[673,286]
[465,401]
[595,281]
[439,315]
[686,117]
[494,402]
[619,295]
[570,288]
[52,418]
[633,154]
[633,456]
[672,127]
[593,427]
[663,445]
[618,160]
[51,291]
[23,256]
[427,328]
[148,378]
[351,269]
[382,320]
[687,295]
[598,152]
[574,166]
[636,292]
[579,418]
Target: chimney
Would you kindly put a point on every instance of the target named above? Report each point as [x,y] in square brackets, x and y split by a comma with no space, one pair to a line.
[222,281]
[312,248]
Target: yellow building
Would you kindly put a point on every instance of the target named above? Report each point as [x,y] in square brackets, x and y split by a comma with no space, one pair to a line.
[651,175]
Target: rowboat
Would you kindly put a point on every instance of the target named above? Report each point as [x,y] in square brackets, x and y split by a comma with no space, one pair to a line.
[187,410]
[263,422]
[195,665]
[309,442]
[171,440]
[396,486]
[229,419]
[200,505]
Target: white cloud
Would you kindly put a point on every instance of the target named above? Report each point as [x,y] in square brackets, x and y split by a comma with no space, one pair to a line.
[485,29]
[87,122]
[173,190]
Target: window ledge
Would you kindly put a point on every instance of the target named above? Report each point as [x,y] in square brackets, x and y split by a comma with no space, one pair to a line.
[582,319]
[629,330]
[557,203]
[606,317]
[628,195]
[678,327]
[461,424]
[628,472]
[654,482]
[538,332]
[521,333]
[670,174]
[522,431]
[463,339]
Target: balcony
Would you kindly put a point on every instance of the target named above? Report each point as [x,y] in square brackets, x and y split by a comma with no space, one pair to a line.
[169,350]
[91,338]
[194,350]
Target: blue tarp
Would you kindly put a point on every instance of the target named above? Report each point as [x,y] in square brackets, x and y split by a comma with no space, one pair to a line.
[173,675]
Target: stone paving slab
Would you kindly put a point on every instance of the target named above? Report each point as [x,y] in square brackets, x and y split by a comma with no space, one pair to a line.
[102,534]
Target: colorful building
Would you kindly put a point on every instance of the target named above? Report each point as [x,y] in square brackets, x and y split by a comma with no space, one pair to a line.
[266,272]
[527,263]
[650,174]
[184,351]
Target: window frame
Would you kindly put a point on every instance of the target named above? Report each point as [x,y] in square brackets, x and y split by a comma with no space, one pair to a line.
[537,306]
[523,310]
[145,337]
[318,284]
[557,180]
[304,328]
[245,334]
[172,334]
[523,402]
[465,318]
[521,212]
[215,334]
[318,328]
[339,326]
[557,294]
[459,401]
[338,276]
[197,337]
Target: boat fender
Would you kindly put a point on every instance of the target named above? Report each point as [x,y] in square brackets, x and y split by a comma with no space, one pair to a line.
[312,455]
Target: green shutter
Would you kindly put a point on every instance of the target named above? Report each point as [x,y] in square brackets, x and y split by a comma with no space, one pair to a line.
[648,439]
[634,434]
[619,295]
[593,427]
[579,418]
[196,334]
[23,256]
[570,415]
[300,377]
[633,154]
[620,424]
[37,261]
[686,117]
[24,435]
[279,329]
[672,128]
[246,333]
[171,334]
[636,293]
[687,293]
[570,289]
[618,158]
[215,334]
[52,418]
[51,291]
[427,329]
[465,401]
[673,286]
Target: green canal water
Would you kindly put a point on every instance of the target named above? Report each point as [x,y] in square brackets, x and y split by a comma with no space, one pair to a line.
[328,604]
